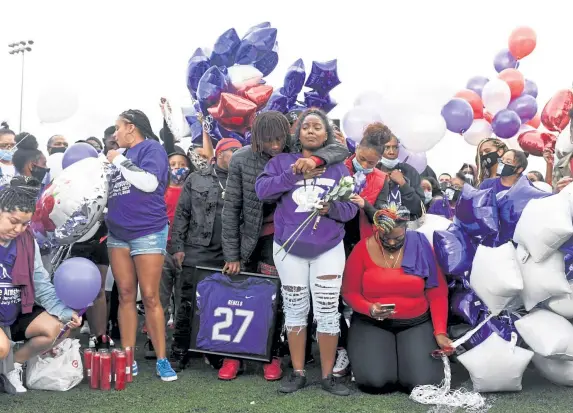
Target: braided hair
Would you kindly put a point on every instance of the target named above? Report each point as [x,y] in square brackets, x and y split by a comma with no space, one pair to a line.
[330,137]
[138,119]
[481,172]
[27,151]
[391,216]
[20,195]
[269,126]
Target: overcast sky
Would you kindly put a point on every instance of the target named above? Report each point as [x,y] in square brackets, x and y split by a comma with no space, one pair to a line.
[126,54]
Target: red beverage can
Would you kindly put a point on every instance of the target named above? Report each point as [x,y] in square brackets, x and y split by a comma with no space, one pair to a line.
[120,370]
[105,370]
[113,356]
[128,367]
[88,354]
[94,378]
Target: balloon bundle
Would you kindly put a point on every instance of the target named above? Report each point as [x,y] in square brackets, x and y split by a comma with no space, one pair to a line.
[506,105]
[228,88]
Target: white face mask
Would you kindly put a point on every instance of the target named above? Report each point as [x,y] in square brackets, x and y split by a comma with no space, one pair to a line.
[428,196]
[390,163]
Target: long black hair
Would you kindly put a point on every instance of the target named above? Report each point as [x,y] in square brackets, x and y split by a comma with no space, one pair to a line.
[140,120]
[269,126]
[330,137]
[27,151]
[20,195]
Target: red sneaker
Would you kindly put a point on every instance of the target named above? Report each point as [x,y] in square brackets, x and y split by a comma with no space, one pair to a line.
[273,370]
[230,369]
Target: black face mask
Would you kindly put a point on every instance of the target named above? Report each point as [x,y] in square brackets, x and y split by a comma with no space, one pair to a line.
[444,186]
[505,169]
[489,160]
[39,172]
[398,243]
[58,149]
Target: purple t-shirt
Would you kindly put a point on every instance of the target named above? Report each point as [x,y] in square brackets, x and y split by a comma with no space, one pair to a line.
[494,183]
[10,300]
[133,213]
[295,202]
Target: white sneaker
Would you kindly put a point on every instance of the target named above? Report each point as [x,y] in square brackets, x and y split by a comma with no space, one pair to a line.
[170,322]
[13,381]
[85,329]
[342,364]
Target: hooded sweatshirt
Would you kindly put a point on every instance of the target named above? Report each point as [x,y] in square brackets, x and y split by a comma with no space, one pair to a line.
[295,200]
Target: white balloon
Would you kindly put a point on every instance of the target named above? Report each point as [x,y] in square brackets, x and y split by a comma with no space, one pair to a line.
[54,162]
[480,129]
[423,133]
[244,76]
[57,102]
[543,186]
[356,120]
[496,95]
[371,99]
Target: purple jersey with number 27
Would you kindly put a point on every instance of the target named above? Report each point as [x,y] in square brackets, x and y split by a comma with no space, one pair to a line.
[234,317]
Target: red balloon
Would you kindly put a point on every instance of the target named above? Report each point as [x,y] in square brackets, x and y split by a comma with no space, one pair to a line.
[522,41]
[535,142]
[488,116]
[259,95]
[515,80]
[234,112]
[474,100]
[535,122]
[555,115]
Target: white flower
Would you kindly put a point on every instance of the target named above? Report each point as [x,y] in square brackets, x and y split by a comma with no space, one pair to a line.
[347,181]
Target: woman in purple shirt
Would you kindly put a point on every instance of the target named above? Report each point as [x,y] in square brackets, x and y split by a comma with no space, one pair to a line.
[509,169]
[315,263]
[138,226]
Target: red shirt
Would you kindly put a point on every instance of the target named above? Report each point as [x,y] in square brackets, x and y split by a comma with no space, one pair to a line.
[365,283]
[172,199]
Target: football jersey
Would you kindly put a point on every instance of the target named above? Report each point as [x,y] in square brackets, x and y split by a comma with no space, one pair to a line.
[235,317]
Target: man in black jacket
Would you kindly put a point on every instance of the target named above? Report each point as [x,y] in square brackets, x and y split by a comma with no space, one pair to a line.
[405,182]
[247,223]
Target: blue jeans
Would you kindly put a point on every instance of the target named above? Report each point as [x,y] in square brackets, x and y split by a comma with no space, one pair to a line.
[155,243]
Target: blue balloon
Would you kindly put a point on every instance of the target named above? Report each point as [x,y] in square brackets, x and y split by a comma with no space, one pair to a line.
[477,84]
[511,204]
[454,250]
[196,68]
[323,76]
[313,99]
[504,60]
[458,115]
[256,45]
[277,102]
[476,212]
[210,87]
[506,123]
[263,25]
[225,49]
[466,305]
[77,282]
[530,88]
[269,61]
[294,79]
[525,106]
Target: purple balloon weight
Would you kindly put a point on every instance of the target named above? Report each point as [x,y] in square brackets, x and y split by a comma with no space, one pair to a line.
[504,60]
[510,206]
[454,250]
[525,106]
[77,282]
[256,45]
[323,76]
[225,49]
[77,152]
[476,212]
[477,84]
[465,304]
[506,124]
[196,68]
[458,115]
[212,84]
[294,79]
[530,88]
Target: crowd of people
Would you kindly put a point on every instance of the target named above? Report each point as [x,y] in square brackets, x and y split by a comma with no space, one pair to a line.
[227,206]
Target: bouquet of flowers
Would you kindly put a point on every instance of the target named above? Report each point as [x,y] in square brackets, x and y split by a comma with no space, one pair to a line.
[346,187]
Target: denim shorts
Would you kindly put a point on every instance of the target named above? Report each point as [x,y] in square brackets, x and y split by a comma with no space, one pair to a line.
[155,243]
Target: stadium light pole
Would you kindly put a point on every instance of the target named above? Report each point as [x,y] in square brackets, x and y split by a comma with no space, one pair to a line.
[22,47]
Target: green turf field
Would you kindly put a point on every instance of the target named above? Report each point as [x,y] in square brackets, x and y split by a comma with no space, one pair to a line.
[199,391]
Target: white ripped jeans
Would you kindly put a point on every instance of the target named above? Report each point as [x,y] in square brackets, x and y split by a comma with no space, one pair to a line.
[320,276]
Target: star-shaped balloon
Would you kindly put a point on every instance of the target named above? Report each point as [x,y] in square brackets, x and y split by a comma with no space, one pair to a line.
[465,304]
[278,102]
[256,45]
[476,211]
[225,49]
[196,68]
[313,99]
[210,87]
[323,76]
[234,112]
[294,79]
[259,95]
[269,61]
[454,250]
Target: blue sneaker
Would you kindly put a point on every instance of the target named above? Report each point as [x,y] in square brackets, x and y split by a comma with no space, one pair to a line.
[165,371]
[134,369]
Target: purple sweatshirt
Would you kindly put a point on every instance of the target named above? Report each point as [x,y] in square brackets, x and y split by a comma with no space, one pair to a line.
[295,203]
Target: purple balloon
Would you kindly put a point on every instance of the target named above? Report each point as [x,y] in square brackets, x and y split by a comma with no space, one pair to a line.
[269,61]
[506,123]
[225,49]
[502,325]
[196,68]
[568,266]
[278,102]
[212,84]
[454,250]
[77,152]
[476,212]
[567,248]
[504,60]
[263,25]
[351,145]
[77,282]
[323,76]
[525,106]
[313,99]
[294,79]
[256,45]
[441,206]
[530,88]
[510,206]
[415,159]
[458,115]
[477,84]
[465,304]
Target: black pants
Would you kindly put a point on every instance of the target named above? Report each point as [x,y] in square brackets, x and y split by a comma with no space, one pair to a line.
[184,317]
[391,354]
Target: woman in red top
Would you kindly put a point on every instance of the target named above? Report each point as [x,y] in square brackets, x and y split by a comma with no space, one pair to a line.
[400,302]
